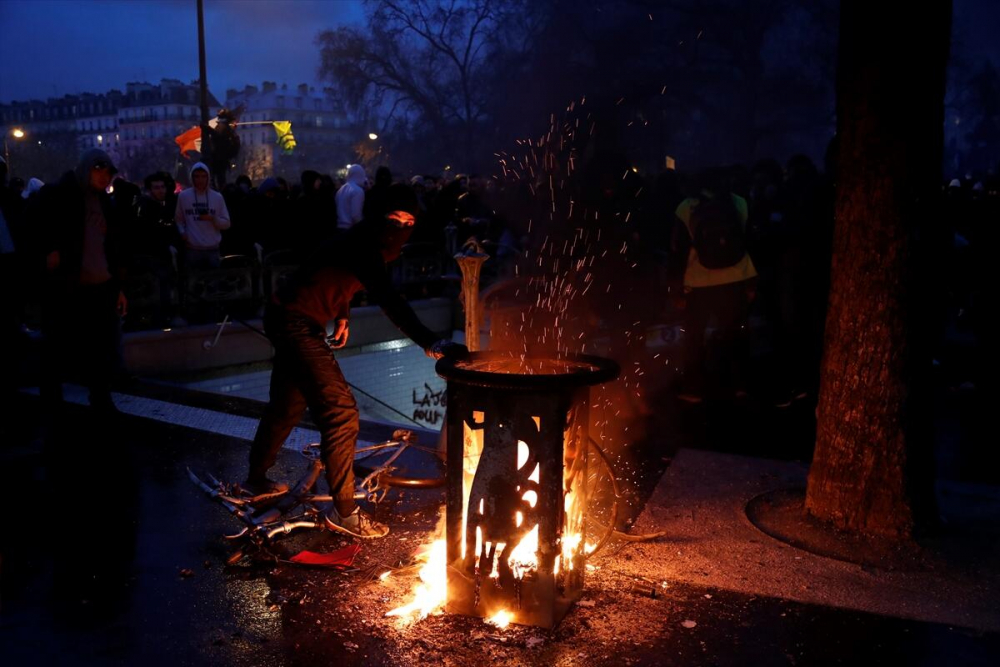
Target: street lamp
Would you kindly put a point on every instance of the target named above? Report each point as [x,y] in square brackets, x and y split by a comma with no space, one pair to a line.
[18,134]
[372,136]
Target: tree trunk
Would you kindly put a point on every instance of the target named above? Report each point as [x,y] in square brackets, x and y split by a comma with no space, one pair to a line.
[871,470]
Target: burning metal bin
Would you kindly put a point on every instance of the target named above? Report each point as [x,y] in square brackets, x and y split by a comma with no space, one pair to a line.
[517,483]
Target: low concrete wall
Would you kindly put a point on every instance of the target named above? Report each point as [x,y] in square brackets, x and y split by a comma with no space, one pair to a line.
[188,349]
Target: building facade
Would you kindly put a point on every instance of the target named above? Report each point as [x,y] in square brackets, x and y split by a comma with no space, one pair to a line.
[323,133]
[137,127]
[152,112]
[125,124]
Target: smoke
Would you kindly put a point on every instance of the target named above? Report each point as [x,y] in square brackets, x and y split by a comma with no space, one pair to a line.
[584,281]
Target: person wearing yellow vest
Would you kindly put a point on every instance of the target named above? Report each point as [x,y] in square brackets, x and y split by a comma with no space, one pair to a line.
[718,286]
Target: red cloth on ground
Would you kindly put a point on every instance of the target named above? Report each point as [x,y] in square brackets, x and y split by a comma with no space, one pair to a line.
[339,558]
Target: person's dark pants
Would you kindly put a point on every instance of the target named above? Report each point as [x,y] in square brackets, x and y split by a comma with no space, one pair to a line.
[82,341]
[306,374]
[198,259]
[727,308]
[166,279]
[161,268]
[11,314]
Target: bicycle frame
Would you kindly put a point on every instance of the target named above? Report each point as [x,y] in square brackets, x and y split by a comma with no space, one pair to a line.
[269,516]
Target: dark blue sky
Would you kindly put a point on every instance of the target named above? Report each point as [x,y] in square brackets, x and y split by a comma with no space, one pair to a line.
[53,47]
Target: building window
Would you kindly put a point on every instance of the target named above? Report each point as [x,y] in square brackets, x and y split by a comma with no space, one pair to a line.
[298,102]
[319,121]
[281,102]
[318,104]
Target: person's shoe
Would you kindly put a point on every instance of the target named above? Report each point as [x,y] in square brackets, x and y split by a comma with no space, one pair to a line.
[355,524]
[264,487]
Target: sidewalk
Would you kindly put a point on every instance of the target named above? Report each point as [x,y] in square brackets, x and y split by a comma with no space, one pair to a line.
[92,566]
[701,502]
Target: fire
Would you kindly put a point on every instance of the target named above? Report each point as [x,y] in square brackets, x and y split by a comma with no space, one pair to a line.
[429,595]
[524,559]
[501,619]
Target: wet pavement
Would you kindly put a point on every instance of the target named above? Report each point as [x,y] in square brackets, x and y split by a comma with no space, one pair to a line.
[112,557]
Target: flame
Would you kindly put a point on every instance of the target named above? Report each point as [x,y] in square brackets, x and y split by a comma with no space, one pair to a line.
[429,595]
[501,619]
[524,557]
[472,449]
[570,545]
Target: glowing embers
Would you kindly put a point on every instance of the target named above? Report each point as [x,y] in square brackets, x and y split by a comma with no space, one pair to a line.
[517,453]
[518,490]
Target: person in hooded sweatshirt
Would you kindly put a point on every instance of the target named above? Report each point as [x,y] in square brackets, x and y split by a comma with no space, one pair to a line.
[83,251]
[200,217]
[351,197]
[305,371]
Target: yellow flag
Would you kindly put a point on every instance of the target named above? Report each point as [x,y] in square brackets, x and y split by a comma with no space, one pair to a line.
[285,140]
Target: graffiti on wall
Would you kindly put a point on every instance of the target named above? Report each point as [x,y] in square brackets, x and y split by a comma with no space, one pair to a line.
[429,405]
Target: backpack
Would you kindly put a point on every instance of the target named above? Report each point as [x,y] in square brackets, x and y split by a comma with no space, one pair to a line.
[718,233]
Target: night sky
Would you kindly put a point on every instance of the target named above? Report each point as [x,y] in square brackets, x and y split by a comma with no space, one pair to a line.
[54,47]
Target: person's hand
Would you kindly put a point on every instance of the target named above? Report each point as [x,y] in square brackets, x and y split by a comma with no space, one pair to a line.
[122,305]
[340,334]
[52,260]
[447,348]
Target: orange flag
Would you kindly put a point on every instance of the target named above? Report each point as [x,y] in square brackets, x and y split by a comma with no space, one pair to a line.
[189,140]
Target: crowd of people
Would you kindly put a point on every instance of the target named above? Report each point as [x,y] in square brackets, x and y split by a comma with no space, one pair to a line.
[89,226]
[774,223]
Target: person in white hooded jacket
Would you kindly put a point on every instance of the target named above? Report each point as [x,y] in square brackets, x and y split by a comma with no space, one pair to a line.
[201,216]
[351,197]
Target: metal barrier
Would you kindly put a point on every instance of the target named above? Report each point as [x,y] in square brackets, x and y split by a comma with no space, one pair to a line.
[243,285]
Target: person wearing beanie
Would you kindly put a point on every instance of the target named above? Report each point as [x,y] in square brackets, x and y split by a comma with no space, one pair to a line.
[200,217]
[83,250]
[305,372]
